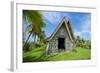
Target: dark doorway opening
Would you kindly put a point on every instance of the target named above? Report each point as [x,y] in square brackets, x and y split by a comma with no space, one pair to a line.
[61,43]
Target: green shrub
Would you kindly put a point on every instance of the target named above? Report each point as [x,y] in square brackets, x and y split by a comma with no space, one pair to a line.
[39,44]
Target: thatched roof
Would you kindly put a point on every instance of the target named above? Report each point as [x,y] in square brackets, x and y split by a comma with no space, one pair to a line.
[68,27]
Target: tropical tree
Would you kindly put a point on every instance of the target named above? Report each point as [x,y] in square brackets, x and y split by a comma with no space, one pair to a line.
[88,44]
[82,43]
[35,23]
[42,37]
[78,41]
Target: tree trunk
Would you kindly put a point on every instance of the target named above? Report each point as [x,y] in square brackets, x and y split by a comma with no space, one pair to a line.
[34,38]
[27,40]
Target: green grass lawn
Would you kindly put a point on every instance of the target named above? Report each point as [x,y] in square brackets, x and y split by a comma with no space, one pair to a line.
[38,55]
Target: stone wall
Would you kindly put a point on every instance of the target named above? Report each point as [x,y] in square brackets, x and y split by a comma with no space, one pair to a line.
[53,43]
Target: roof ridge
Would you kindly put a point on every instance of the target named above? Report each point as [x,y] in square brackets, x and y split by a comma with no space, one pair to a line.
[59,25]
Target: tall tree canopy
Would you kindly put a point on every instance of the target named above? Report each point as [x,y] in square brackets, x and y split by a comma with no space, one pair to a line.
[35,21]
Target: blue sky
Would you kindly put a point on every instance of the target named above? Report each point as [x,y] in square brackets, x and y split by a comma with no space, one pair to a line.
[80,22]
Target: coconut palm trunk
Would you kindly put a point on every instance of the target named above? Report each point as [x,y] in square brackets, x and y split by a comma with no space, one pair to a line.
[27,40]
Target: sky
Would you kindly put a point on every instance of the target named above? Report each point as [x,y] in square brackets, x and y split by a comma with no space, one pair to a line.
[80,22]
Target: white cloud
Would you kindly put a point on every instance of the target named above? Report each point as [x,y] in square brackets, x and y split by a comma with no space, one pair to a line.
[85,31]
[77,33]
[52,16]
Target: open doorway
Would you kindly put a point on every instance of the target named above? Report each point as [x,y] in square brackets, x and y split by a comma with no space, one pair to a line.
[61,43]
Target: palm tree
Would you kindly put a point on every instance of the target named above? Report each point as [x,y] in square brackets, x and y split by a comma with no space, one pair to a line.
[42,37]
[35,21]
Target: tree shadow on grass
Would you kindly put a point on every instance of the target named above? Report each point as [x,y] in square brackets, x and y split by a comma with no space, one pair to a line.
[35,58]
[29,59]
[40,58]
